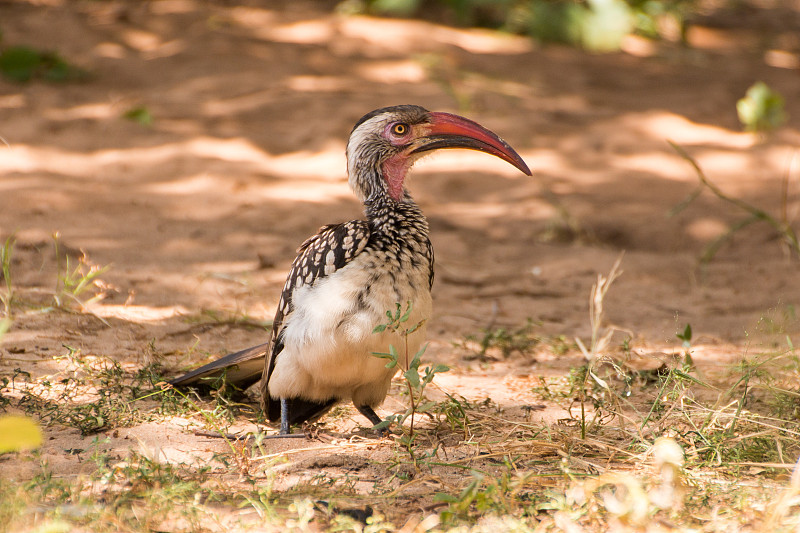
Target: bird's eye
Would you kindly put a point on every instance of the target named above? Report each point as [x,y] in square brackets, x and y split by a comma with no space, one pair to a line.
[399,129]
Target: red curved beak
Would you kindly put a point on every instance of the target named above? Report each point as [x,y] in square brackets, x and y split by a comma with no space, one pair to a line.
[452,131]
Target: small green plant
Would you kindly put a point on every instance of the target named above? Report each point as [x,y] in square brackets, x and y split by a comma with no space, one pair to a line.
[72,282]
[586,378]
[779,320]
[7,297]
[762,109]
[506,340]
[686,342]
[141,115]
[481,496]
[94,393]
[148,490]
[410,366]
[686,336]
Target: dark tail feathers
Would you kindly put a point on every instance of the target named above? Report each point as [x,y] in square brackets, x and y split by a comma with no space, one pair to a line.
[241,369]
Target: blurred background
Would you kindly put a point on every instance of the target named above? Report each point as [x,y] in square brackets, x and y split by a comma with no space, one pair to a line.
[186,147]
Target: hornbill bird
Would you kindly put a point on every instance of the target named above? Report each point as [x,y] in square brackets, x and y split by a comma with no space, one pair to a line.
[346,277]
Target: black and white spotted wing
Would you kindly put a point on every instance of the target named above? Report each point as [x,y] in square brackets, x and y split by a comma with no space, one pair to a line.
[321,255]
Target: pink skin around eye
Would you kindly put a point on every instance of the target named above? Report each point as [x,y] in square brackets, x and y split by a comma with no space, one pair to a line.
[394,139]
[396,167]
[394,172]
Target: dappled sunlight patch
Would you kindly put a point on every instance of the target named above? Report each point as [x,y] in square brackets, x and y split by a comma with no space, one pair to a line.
[395,35]
[638,46]
[226,107]
[12,101]
[462,161]
[136,313]
[98,111]
[385,35]
[402,71]
[172,7]
[706,228]
[482,213]
[732,155]
[141,40]
[189,186]
[233,150]
[722,165]
[253,18]
[307,191]
[782,59]
[476,214]
[226,268]
[325,164]
[318,83]
[721,39]
[328,163]
[317,31]
[110,50]
[665,165]
[77,164]
[479,41]
[548,160]
[679,129]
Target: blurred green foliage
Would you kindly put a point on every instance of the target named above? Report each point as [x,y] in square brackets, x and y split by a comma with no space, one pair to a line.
[597,25]
[761,109]
[22,64]
[401,8]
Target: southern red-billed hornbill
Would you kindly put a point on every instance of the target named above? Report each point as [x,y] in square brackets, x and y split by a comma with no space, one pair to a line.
[346,277]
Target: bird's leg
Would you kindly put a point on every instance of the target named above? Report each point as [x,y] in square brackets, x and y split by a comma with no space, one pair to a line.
[285,429]
[369,412]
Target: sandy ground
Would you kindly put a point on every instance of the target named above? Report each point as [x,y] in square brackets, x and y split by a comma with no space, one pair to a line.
[201,211]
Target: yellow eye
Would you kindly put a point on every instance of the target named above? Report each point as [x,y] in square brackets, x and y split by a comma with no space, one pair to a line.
[399,129]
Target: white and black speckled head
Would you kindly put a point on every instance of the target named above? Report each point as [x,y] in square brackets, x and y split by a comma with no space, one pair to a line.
[385,143]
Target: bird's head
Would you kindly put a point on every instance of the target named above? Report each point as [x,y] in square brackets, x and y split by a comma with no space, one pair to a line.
[386,142]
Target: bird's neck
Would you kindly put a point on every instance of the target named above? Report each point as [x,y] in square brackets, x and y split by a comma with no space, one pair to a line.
[401,220]
[368,180]
[399,230]
[391,212]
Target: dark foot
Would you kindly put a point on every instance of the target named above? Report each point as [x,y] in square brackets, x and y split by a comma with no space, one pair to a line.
[368,412]
[285,429]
